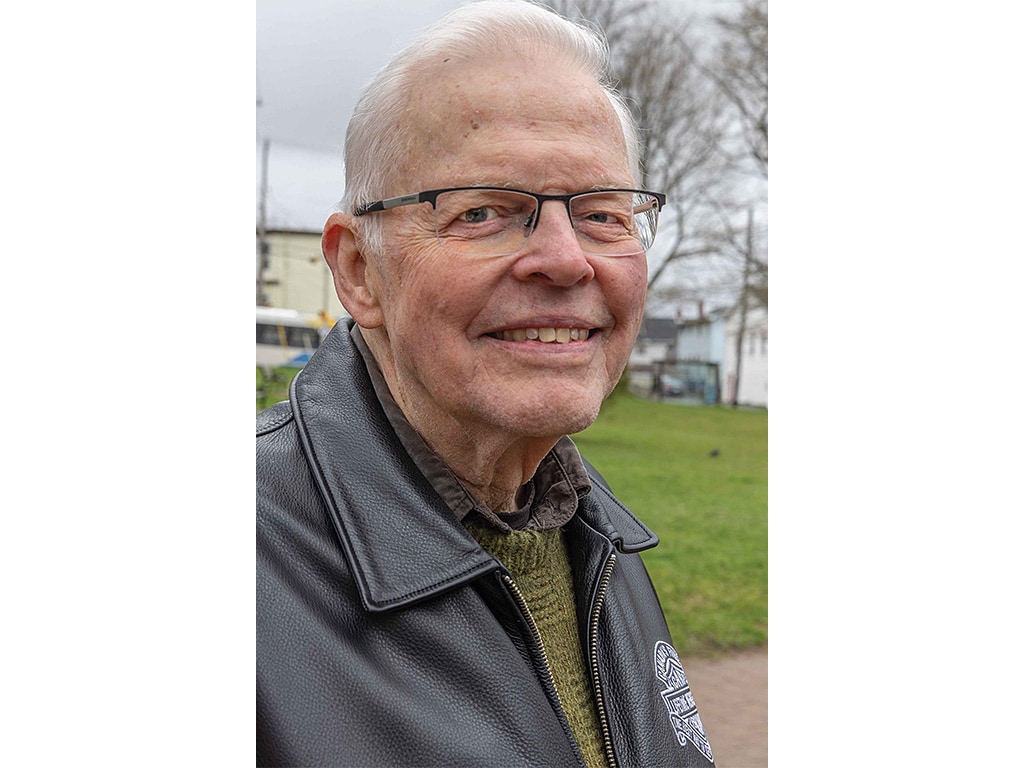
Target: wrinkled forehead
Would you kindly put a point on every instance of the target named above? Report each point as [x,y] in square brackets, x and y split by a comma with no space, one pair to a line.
[459,102]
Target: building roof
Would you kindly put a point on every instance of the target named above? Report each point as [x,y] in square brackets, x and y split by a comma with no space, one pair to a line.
[658,329]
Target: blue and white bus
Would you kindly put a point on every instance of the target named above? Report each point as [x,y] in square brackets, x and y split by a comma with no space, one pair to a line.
[285,336]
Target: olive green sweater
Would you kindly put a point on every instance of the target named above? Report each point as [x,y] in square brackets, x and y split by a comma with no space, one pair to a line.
[539,564]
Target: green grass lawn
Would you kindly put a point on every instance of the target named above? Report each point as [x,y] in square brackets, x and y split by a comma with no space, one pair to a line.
[711,512]
[272,386]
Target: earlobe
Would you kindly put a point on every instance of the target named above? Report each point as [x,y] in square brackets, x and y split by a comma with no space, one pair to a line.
[349,268]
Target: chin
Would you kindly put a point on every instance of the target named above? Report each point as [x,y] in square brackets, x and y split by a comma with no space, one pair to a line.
[554,418]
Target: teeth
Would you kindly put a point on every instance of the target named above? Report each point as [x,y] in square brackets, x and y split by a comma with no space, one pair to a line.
[546,335]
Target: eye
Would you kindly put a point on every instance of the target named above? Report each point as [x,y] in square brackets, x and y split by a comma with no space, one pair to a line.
[477,215]
[611,209]
[600,217]
[606,220]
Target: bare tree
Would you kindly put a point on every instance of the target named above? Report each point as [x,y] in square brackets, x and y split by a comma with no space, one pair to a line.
[753,289]
[683,125]
[615,18]
[740,70]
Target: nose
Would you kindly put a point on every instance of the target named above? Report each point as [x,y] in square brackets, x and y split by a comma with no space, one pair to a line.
[552,252]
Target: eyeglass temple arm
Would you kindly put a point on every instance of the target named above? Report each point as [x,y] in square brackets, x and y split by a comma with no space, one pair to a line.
[391,202]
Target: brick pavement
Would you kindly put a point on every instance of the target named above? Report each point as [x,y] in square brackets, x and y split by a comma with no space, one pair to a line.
[731,693]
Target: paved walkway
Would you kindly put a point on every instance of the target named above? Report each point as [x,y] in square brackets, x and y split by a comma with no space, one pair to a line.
[731,693]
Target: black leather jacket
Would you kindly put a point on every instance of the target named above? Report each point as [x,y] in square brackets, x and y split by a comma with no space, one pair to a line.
[387,636]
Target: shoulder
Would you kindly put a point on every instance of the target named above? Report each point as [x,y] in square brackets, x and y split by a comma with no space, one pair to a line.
[276,439]
[282,470]
[273,418]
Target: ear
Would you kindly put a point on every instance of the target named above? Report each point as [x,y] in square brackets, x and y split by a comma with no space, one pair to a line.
[349,267]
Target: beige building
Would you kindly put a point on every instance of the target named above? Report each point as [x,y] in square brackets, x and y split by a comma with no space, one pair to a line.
[295,274]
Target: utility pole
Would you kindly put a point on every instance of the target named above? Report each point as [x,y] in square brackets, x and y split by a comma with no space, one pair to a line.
[261,227]
[748,258]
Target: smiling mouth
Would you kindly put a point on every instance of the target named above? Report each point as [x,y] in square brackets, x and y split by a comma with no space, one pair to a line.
[544,335]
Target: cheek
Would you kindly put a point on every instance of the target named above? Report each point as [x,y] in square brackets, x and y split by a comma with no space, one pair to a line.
[428,300]
[626,290]
[405,273]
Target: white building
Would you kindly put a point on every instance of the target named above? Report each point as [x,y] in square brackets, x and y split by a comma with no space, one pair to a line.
[699,363]
[753,358]
[703,339]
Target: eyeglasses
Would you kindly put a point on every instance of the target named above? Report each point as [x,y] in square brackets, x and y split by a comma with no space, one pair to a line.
[494,221]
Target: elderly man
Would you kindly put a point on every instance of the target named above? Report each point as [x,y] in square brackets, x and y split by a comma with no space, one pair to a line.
[441,579]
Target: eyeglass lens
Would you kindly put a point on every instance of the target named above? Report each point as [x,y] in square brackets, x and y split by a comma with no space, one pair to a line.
[495,222]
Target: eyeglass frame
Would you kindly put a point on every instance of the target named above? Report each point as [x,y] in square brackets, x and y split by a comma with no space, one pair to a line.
[431,195]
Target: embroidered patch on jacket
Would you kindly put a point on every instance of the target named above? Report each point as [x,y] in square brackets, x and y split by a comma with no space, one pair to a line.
[682,712]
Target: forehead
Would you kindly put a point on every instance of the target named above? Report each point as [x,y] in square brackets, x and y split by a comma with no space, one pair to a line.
[516,120]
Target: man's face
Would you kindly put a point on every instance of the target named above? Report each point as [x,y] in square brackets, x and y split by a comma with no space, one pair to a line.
[453,325]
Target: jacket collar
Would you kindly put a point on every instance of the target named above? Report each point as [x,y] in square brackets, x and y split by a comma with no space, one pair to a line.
[401,540]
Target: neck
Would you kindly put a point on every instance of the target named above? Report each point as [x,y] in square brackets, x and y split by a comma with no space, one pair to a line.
[492,465]
[493,477]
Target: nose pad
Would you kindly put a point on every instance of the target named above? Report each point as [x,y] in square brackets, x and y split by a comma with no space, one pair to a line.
[533,222]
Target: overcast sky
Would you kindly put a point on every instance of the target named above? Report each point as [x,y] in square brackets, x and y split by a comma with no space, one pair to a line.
[313,58]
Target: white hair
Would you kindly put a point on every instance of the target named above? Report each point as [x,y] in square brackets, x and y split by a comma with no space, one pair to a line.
[379,138]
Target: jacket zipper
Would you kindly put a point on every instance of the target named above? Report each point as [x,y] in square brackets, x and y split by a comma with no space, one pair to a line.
[602,713]
[535,631]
